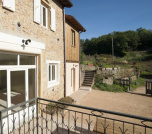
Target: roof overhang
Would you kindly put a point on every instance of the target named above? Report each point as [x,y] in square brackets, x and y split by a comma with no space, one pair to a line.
[66,3]
[74,23]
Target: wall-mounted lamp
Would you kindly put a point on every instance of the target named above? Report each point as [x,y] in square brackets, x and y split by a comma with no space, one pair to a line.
[26,42]
[75,65]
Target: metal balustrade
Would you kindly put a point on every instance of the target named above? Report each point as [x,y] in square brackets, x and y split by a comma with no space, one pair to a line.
[48,116]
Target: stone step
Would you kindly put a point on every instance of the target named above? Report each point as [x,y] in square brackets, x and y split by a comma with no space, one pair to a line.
[89,76]
[90,71]
[86,84]
[87,81]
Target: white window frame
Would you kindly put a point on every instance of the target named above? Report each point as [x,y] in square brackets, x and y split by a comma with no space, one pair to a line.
[46,10]
[18,67]
[50,75]
[57,73]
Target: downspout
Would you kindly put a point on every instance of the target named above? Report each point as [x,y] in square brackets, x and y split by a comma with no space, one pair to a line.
[64,40]
[79,59]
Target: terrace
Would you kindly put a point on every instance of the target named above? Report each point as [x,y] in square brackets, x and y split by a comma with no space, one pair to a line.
[58,117]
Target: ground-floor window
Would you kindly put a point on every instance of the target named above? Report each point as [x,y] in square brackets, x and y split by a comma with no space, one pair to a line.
[18,79]
[53,73]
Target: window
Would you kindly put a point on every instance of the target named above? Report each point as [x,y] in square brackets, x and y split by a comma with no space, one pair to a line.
[44,16]
[73,37]
[53,73]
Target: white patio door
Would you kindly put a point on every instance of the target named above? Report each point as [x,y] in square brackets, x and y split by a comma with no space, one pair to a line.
[17,86]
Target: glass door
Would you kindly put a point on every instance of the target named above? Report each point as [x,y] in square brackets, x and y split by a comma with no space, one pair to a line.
[17,87]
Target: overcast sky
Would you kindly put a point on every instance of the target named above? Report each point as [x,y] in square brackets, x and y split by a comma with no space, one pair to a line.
[101,17]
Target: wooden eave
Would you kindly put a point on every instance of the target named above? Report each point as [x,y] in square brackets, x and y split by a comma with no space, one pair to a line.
[74,23]
[66,3]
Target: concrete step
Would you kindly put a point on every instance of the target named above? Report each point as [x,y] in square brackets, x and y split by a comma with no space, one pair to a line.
[86,84]
[88,78]
[90,83]
[91,76]
[90,70]
[91,80]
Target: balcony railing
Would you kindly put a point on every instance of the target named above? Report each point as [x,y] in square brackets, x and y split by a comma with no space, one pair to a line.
[47,116]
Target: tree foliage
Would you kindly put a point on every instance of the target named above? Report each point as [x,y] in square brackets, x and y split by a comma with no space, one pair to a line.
[141,39]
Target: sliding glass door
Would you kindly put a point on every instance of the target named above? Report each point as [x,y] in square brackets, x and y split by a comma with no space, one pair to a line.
[18,79]
[18,91]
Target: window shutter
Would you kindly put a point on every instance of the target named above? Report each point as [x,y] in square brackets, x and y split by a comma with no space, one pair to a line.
[53,20]
[9,4]
[37,10]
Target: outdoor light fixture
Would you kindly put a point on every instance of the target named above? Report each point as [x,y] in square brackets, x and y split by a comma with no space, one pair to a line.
[74,66]
[26,42]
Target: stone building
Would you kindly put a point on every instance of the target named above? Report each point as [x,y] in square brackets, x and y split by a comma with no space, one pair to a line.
[31,50]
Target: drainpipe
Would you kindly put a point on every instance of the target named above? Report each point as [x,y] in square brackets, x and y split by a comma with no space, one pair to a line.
[79,58]
[64,40]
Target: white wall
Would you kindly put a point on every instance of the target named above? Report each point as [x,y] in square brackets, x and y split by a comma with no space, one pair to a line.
[69,66]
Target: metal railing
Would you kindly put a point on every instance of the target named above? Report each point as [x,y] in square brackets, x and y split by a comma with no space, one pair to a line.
[47,116]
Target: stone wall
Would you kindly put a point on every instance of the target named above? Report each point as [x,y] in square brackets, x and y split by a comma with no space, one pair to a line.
[108,80]
[118,73]
[30,30]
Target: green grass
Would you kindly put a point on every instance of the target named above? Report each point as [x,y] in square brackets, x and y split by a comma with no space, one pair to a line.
[137,83]
[109,88]
[146,73]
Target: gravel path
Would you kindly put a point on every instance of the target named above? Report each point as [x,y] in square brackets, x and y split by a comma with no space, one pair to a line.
[135,103]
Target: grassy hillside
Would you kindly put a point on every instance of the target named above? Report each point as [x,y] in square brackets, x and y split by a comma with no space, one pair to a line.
[140,59]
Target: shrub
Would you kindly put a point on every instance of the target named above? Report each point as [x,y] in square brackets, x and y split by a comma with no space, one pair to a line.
[54,106]
[68,100]
[98,79]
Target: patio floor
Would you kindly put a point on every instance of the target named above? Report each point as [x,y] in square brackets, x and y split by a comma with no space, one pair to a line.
[135,103]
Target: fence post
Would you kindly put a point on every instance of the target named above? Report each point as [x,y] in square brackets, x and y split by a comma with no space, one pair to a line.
[146,87]
[129,83]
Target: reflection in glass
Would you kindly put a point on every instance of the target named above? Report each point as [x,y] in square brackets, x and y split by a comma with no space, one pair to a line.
[3,89]
[53,72]
[31,82]
[17,87]
[8,59]
[27,60]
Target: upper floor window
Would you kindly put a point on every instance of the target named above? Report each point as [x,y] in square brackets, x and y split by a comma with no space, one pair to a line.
[44,14]
[73,37]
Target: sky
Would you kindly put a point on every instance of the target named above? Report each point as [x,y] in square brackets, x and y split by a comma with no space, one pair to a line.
[101,17]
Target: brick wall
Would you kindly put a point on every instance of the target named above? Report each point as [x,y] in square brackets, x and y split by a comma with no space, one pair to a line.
[30,30]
